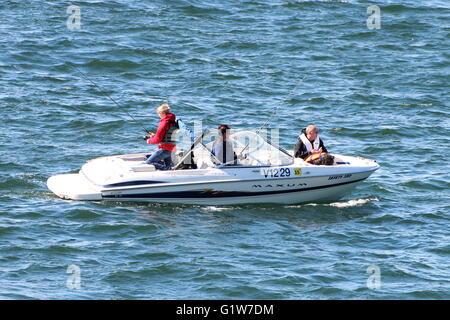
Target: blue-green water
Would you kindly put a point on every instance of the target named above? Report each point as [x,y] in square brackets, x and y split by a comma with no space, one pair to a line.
[377,93]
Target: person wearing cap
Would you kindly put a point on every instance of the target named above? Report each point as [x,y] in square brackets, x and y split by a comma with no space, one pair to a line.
[223,148]
[165,139]
[309,143]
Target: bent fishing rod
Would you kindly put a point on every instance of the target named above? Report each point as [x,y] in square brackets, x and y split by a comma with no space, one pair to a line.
[282,102]
[275,109]
[109,97]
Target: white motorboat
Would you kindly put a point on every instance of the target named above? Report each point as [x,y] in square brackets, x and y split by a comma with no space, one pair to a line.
[264,173]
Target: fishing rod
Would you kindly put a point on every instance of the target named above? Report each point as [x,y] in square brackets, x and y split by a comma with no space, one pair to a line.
[110,98]
[282,102]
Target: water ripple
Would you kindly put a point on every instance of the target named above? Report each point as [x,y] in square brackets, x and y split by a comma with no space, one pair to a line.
[381,94]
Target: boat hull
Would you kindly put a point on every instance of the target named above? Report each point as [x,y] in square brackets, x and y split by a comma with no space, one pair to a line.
[286,191]
[73,187]
[328,193]
[120,178]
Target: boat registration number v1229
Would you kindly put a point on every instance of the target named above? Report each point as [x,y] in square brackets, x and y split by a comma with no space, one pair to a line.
[276,172]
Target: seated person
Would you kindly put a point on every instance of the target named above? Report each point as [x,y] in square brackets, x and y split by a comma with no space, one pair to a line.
[309,143]
[222,148]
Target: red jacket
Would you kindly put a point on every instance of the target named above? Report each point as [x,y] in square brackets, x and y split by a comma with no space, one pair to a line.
[163,126]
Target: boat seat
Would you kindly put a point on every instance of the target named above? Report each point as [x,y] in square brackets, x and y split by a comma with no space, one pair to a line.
[188,163]
[203,159]
[134,157]
[143,168]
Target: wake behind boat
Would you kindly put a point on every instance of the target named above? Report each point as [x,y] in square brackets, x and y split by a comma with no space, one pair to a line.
[263,173]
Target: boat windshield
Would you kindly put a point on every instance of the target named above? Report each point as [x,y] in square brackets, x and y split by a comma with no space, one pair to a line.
[253,149]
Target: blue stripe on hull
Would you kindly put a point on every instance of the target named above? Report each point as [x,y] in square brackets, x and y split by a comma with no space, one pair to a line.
[131,183]
[210,193]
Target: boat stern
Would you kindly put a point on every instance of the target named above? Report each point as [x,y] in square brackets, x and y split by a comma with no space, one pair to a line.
[73,187]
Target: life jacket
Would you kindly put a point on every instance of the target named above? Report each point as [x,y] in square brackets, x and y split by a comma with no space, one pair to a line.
[310,146]
[314,157]
[170,135]
[320,159]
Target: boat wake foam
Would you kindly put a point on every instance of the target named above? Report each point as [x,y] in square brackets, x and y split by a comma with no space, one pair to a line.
[216,209]
[340,204]
[353,203]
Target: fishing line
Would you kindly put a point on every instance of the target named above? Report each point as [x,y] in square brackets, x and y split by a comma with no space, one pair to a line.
[282,102]
[110,98]
[104,93]
[74,107]
[274,112]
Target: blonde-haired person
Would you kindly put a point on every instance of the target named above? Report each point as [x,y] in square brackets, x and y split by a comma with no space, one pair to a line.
[164,138]
[164,108]
[309,143]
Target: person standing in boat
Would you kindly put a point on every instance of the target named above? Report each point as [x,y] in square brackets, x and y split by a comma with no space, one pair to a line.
[309,143]
[223,148]
[165,139]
